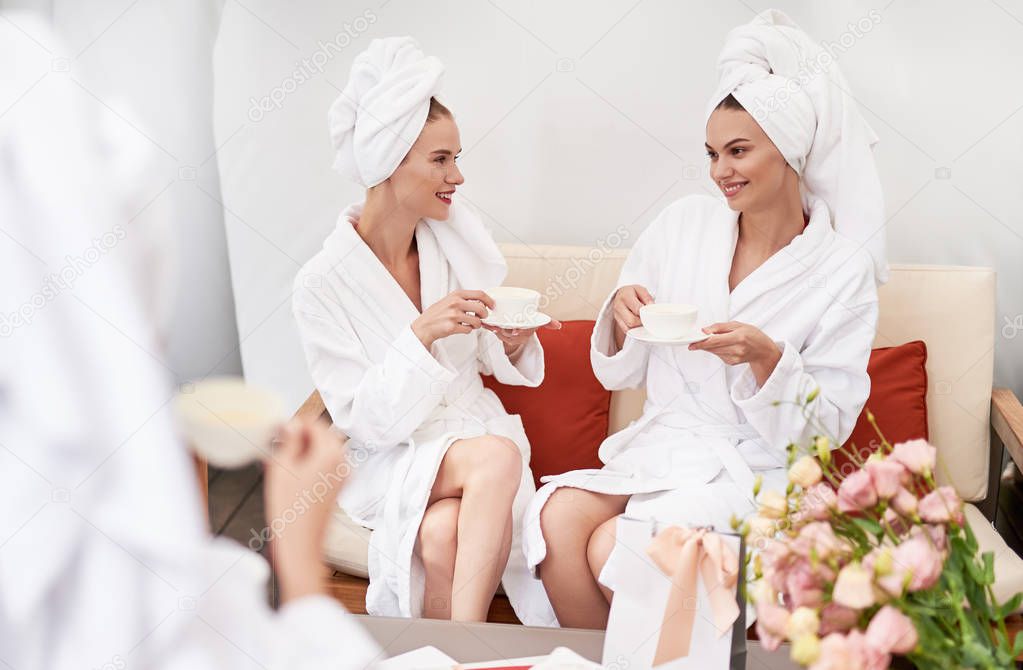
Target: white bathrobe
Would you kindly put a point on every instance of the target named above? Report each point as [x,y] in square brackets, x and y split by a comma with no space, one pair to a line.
[403,406]
[706,426]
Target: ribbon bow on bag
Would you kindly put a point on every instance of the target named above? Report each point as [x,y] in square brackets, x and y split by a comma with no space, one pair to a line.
[682,554]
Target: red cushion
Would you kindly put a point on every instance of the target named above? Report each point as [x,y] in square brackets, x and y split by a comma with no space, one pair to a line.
[566,417]
[898,400]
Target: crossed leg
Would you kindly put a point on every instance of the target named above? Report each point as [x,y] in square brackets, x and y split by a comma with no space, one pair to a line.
[578,528]
[465,536]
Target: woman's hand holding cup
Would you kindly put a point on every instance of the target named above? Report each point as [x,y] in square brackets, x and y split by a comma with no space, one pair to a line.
[458,312]
[625,308]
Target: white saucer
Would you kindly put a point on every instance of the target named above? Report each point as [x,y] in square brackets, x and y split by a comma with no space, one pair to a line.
[536,321]
[643,335]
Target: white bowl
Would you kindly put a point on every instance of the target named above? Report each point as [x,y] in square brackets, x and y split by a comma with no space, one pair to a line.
[668,320]
[513,304]
[228,422]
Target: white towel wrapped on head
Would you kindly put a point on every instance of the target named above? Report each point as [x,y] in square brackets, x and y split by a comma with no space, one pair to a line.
[382,109]
[795,90]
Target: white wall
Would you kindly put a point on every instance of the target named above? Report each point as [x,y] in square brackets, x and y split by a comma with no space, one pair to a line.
[578,117]
[150,64]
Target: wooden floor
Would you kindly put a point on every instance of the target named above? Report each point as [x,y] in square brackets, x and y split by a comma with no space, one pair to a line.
[236,511]
[351,591]
[236,503]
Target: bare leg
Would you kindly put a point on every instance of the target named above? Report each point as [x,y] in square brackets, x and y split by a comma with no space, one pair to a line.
[602,541]
[438,541]
[484,472]
[568,521]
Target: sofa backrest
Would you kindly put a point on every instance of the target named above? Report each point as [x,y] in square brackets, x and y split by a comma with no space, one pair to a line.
[950,308]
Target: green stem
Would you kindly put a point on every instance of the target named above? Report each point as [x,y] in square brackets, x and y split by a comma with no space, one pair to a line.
[886,446]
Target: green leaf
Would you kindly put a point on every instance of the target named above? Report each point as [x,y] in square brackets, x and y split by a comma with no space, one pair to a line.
[1017,648]
[974,570]
[869,526]
[1010,606]
[989,567]
[976,654]
[971,540]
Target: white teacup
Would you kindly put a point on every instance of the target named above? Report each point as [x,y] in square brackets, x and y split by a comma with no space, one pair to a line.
[668,320]
[513,305]
[228,422]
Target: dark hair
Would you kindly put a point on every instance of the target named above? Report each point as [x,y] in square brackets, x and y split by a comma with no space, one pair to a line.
[437,110]
[730,103]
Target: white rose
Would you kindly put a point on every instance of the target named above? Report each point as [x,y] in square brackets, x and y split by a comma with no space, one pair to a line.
[804,621]
[805,472]
[761,527]
[773,505]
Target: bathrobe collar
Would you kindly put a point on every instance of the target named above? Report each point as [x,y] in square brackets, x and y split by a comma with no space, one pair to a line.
[785,264]
[460,245]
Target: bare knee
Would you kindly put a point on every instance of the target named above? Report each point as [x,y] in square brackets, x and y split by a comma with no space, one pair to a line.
[496,463]
[560,518]
[438,533]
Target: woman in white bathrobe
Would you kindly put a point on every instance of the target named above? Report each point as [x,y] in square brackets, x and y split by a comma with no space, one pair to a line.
[389,313]
[789,304]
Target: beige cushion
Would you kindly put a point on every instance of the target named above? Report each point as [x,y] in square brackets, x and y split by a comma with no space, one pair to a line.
[346,546]
[1008,566]
[952,309]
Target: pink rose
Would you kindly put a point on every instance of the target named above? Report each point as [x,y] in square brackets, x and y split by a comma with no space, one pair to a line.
[888,476]
[898,524]
[804,585]
[856,492]
[818,501]
[818,537]
[777,558]
[894,582]
[849,652]
[938,535]
[837,654]
[917,455]
[837,618]
[873,658]
[904,502]
[891,631]
[920,558]
[941,506]
[771,622]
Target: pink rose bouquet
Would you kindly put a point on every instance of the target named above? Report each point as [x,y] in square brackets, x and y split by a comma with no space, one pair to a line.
[875,567]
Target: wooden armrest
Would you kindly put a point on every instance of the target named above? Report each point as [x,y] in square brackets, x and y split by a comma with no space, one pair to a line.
[1007,422]
[313,409]
[202,473]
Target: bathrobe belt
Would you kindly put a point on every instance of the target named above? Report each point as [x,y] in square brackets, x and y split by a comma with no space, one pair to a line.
[721,438]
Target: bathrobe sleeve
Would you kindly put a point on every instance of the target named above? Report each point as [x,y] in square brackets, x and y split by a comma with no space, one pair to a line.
[528,370]
[232,626]
[627,368]
[833,359]
[378,404]
[315,632]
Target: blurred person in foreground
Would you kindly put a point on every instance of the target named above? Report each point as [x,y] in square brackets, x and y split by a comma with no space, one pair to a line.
[105,557]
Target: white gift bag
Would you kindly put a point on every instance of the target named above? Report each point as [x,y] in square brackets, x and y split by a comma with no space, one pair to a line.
[677,602]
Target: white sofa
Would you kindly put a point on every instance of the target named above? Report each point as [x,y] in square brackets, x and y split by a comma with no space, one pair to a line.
[952,309]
